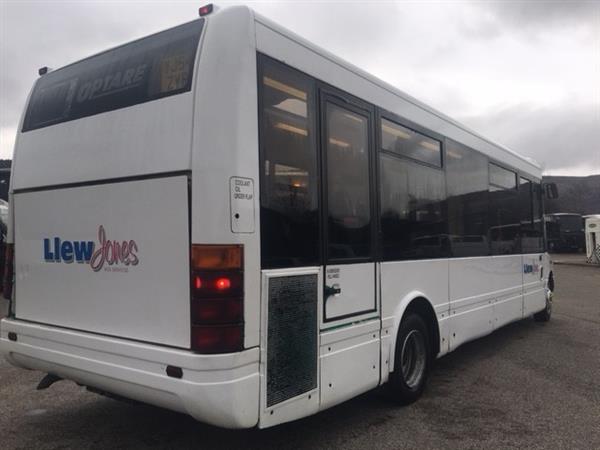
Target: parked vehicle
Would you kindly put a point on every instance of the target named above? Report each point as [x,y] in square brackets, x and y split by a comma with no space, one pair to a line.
[320,232]
[592,238]
[565,232]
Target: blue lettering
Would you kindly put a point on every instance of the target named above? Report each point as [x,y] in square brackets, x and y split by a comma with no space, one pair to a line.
[48,256]
[57,249]
[83,251]
[66,251]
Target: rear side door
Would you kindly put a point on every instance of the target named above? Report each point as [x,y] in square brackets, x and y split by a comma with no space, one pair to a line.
[349,267]
[350,347]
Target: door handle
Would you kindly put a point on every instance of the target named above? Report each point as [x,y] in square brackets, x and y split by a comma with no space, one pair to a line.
[332,290]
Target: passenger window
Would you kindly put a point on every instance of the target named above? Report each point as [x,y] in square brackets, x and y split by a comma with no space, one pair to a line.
[348,189]
[530,236]
[505,228]
[406,142]
[413,210]
[467,188]
[538,218]
[501,178]
[289,191]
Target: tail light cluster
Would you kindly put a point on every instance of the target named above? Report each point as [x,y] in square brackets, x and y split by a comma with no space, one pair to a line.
[217,300]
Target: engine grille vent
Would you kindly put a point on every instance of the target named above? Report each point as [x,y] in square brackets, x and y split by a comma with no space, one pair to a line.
[292,337]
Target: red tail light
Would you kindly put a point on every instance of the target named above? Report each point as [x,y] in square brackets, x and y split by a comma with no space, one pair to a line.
[217,310]
[217,339]
[9,272]
[223,283]
[217,299]
[217,283]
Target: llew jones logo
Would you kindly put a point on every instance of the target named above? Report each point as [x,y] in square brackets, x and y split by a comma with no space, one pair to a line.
[113,256]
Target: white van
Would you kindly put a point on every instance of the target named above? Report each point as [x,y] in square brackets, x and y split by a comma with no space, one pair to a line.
[224,220]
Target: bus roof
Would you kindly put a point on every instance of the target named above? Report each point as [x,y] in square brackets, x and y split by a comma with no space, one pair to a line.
[534,165]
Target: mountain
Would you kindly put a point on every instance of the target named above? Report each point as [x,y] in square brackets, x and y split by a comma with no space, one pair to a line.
[575,195]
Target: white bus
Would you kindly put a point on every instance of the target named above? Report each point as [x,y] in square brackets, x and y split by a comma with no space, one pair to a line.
[225,220]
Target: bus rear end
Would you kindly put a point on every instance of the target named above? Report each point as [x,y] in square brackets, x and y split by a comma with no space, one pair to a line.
[115,277]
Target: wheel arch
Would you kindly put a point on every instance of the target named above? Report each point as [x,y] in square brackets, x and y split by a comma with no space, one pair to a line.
[416,302]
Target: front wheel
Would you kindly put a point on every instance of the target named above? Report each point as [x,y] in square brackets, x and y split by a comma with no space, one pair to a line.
[412,360]
[545,314]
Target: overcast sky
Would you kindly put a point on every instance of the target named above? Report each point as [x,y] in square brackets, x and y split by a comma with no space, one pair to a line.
[524,73]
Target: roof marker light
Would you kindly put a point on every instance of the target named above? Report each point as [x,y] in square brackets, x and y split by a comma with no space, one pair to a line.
[205,10]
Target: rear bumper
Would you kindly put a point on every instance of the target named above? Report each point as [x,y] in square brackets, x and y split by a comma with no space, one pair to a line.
[222,390]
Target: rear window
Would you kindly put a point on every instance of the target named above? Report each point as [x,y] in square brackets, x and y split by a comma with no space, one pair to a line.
[144,70]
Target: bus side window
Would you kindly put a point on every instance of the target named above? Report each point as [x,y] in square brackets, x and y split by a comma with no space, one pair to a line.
[468,197]
[538,217]
[504,219]
[531,235]
[288,174]
[413,211]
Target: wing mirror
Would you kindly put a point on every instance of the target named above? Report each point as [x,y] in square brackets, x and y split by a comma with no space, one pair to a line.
[551,190]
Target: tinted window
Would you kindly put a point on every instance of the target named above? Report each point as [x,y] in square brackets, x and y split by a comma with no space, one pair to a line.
[531,235]
[144,70]
[413,217]
[571,223]
[502,178]
[348,201]
[289,190]
[538,218]
[406,142]
[468,198]
[504,217]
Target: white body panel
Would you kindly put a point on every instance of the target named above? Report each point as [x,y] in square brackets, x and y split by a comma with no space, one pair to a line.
[211,132]
[141,301]
[225,143]
[402,282]
[534,284]
[345,352]
[165,145]
[483,291]
[218,389]
[356,300]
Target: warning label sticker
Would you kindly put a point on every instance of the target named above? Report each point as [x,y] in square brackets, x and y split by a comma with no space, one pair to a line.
[242,204]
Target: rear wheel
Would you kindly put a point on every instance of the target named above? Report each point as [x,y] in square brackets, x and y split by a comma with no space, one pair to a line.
[412,360]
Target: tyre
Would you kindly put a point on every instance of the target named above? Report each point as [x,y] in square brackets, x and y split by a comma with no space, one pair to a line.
[545,314]
[412,360]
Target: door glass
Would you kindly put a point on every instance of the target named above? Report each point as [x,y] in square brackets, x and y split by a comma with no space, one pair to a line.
[348,200]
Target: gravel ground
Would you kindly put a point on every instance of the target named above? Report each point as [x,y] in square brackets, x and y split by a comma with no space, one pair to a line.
[528,385]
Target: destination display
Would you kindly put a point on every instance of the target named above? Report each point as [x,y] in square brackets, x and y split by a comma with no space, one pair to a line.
[147,69]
